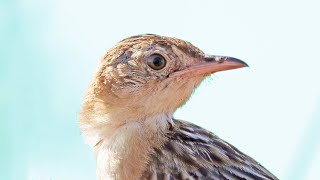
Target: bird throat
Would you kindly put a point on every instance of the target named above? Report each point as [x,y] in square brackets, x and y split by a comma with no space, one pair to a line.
[124,153]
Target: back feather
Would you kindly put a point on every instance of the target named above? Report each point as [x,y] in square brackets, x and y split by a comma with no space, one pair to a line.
[192,152]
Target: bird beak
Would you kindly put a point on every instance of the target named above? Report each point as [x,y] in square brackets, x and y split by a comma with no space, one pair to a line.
[211,64]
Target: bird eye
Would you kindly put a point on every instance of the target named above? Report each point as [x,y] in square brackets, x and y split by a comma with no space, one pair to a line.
[156,62]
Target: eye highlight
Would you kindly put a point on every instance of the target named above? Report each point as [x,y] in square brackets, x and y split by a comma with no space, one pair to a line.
[156,61]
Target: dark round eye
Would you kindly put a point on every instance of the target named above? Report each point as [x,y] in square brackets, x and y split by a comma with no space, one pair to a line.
[156,61]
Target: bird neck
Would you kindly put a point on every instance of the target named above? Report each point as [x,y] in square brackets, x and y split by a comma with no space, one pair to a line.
[122,146]
[125,153]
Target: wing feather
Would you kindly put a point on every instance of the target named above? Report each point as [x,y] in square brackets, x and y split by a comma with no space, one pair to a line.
[192,152]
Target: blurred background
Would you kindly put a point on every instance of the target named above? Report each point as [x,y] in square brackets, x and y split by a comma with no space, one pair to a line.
[49,50]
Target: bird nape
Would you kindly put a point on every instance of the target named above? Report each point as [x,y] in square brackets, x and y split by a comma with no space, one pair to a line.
[127,115]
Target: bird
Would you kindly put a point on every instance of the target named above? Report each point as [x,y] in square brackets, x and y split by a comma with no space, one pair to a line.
[126,116]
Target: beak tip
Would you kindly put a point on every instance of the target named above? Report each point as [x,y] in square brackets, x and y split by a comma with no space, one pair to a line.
[238,61]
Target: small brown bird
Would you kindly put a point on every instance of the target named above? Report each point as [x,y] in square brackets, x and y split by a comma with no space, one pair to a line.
[127,115]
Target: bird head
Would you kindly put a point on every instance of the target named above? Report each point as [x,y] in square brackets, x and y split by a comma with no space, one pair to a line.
[147,75]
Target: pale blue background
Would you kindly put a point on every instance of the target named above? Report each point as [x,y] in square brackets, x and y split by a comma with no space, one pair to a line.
[49,50]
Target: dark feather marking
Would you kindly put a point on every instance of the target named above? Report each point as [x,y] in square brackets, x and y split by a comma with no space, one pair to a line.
[230,175]
[161,176]
[192,152]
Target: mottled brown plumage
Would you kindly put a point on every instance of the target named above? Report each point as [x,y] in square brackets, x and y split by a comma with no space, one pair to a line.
[192,152]
[126,116]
